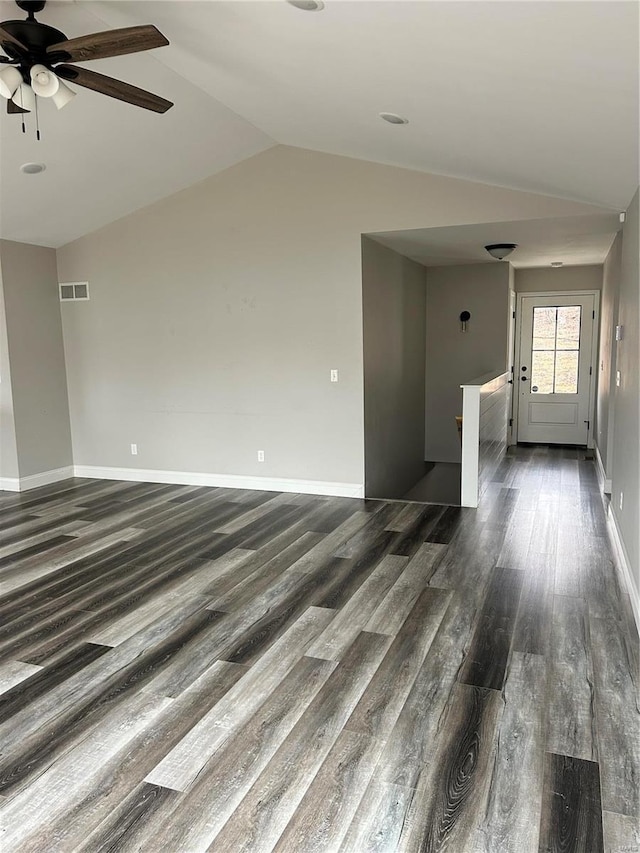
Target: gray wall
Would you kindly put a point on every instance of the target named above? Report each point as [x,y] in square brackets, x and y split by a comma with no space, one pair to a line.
[454,357]
[558,278]
[217,314]
[8,449]
[626,438]
[36,357]
[393,315]
[606,360]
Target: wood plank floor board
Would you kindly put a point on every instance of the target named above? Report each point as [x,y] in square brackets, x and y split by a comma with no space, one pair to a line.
[36,568]
[24,757]
[259,575]
[231,669]
[331,544]
[533,623]
[378,821]
[128,827]
[409,748]
[13,672]
[408,542]
[99,798]
[486,661]
[513,808]
[29,829]
[446,526]
[185,761]
[570,694]
[263,814]
[617,702]
[226,778]
[381,703]
[390,614]
[451,797]
[324,814]
[621,833]
[571,807]
[347,624]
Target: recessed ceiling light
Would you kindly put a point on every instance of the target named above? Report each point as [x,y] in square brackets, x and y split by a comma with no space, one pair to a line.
[307,5]
[392,118]
[32,168]
[556,263]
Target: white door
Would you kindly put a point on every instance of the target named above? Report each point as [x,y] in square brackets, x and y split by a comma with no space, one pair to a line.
[554,371]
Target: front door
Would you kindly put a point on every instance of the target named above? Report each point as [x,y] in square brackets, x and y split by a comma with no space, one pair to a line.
[554,372]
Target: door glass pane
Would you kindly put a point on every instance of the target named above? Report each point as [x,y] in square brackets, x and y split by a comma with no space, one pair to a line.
[542,369]
[568,334]
[566,381]
[544,328]
[555,349]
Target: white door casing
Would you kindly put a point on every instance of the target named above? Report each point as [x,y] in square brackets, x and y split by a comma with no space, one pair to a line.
[553,379]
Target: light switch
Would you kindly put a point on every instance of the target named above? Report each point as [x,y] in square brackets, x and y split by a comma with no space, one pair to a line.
[618,378]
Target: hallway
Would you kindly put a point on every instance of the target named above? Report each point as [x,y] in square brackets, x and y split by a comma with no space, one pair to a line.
[192,669]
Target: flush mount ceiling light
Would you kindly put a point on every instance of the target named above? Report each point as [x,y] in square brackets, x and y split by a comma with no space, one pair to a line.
[32,168]
[392,118]
[500,251]
[38,55]
[307,5]
[556,263]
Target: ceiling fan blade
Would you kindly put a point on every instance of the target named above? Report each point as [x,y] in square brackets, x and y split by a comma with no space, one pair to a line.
[113,88]
[14,108]
[7,38]
[109,43]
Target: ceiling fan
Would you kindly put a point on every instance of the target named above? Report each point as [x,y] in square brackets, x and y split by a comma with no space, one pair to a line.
[38,57]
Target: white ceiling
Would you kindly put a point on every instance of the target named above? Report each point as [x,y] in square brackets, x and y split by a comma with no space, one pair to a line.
[573,240]
[539,96]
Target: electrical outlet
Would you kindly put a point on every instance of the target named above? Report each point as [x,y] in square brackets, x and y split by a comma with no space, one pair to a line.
[621,499]
[261,456]
[334,375]
[134,449]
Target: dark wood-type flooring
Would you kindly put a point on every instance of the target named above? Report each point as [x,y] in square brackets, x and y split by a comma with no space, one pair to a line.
[194,669]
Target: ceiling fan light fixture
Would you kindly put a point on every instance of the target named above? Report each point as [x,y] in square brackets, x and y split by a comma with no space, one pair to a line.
[10,79]
[43,81]
[63,95]
[500,251]
[307,5]
[393,118]
[32,168]
[24,97]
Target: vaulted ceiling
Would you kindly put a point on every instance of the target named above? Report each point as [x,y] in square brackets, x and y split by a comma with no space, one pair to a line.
[538,96]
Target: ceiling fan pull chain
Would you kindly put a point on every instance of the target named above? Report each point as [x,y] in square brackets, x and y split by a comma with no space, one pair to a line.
[37,121]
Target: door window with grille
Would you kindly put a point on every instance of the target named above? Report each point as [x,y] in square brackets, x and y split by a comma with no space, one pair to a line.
[555,351]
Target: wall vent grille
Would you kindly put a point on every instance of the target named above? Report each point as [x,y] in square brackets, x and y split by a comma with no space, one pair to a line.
[74,291]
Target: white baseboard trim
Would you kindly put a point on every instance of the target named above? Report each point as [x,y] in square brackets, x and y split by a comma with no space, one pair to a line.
[622,562]
[604,483]
[227,481]
[33,481]
[9,484]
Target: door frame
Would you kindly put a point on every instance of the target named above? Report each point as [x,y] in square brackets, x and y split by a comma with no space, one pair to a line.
[594,353]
